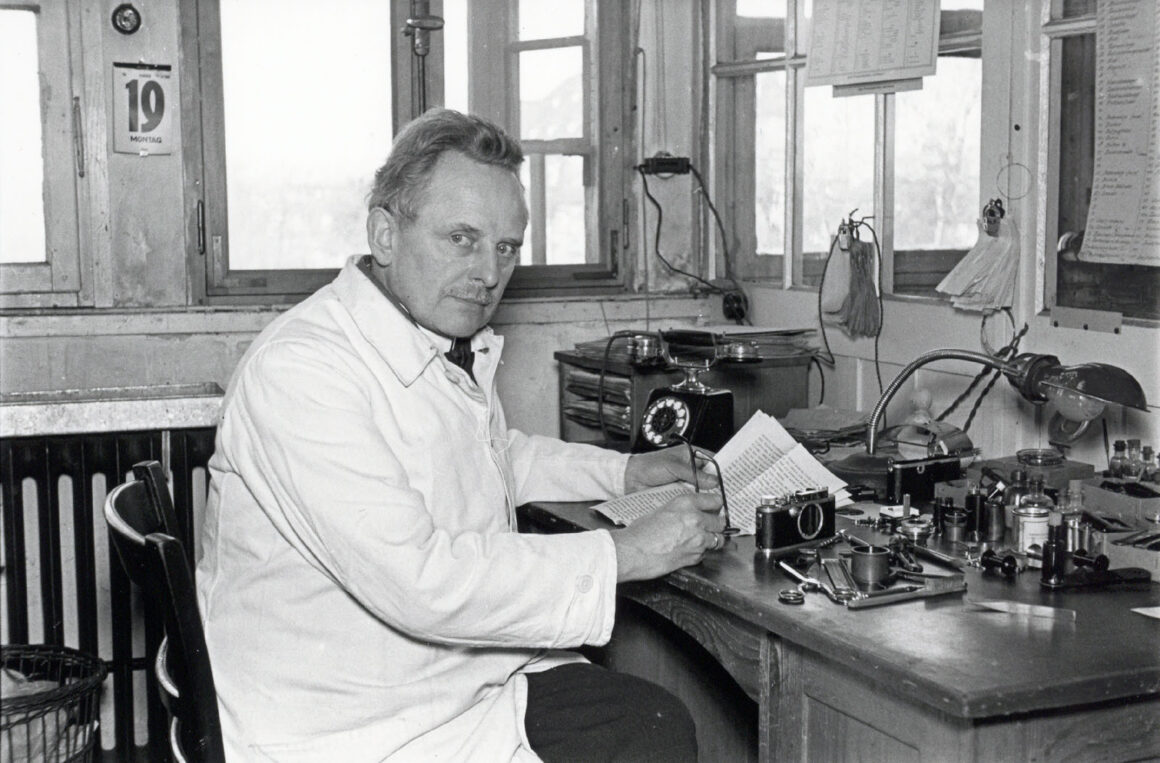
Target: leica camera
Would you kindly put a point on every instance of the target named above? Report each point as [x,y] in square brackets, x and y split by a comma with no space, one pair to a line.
[789,522]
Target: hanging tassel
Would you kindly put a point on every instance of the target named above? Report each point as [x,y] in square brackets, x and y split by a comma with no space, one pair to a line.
[860,313]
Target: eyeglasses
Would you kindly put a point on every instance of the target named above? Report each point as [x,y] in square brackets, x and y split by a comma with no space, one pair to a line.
[694,454]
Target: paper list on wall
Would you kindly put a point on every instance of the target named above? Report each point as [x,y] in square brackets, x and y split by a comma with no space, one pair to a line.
[1123,224]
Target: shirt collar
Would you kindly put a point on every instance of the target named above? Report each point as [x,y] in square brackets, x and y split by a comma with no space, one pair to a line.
[386,323]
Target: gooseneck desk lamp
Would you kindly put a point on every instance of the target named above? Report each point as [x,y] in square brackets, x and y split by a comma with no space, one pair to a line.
[1080,394]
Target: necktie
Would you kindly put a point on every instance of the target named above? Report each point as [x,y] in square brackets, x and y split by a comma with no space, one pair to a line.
[461,355]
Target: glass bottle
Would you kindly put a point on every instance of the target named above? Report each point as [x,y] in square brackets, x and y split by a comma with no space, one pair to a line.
[1119,458]
[1013,495]
[1135,463]
[1037,496]
[1148,472]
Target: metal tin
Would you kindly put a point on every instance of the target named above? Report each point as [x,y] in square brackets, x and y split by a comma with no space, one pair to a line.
[917,529]
[1030,527]
[992,525]
[1075,538]
[764,533]
[869,565]
[973,503]
[955,526]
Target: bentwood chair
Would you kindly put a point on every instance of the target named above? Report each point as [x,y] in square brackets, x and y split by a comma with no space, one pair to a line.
[143,529]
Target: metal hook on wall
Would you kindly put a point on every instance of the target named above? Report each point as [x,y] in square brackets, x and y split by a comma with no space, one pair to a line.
[419,26]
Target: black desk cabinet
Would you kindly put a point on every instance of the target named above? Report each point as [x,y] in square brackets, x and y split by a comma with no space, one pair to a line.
[773,386]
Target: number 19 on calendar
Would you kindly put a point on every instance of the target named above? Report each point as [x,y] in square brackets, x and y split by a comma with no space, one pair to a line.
[142,100]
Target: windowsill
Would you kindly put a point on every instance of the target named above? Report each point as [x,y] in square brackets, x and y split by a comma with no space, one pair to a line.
[62,322]
[919,299]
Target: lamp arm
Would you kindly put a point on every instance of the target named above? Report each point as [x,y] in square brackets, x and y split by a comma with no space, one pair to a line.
[922,360]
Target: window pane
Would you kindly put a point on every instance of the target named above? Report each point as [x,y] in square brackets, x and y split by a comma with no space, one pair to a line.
[838,170]
[303,133]
[564,183]
[769,162]
[936,159]
[541,20]
[552,93]
[559,182]
[455,54]
[761,9]
[21,141]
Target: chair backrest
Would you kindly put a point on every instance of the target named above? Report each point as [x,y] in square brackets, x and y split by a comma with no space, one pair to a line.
[157,561]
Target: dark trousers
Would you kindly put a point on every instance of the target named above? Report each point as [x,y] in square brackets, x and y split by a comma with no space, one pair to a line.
[583,712]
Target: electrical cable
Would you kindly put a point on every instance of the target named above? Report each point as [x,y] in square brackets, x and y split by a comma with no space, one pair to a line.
[821,378]
[600,384]
[713,288]
[1004,353]
[735,303]
[878,291]
[821,323]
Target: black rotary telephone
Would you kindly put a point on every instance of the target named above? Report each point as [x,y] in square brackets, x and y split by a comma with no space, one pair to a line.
[689,411]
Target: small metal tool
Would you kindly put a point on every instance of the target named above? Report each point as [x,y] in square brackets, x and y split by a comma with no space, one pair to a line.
[843,585]
[807,583]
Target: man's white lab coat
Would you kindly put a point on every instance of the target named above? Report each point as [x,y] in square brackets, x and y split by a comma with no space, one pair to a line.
[363,589]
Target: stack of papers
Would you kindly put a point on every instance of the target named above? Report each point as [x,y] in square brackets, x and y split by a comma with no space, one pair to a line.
[761,459]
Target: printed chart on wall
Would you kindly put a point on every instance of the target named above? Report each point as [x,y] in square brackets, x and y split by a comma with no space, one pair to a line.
[872,46]
[143,98]
[1123,224]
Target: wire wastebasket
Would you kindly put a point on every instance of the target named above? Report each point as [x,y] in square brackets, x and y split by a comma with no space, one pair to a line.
[49,703]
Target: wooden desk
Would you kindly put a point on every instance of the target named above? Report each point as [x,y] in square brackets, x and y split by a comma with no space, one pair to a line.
[918,680]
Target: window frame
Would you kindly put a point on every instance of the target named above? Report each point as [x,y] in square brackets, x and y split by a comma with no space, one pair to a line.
[734,43]
[57,281]
[1059,23]
[495,93]
[493,68]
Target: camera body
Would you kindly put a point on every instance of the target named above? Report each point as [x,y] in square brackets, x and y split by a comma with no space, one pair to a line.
[789,522]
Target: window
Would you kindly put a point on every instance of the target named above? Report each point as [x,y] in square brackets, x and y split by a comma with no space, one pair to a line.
[554,75]
[792,162]
[290,141]
[1133,290]
[39,244]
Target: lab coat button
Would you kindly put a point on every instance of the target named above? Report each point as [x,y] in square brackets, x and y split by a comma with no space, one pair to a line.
[584,583]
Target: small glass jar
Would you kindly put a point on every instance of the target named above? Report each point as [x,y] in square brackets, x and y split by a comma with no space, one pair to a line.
[1119,460]
[1013,496]
[1030,527]
[1135,463]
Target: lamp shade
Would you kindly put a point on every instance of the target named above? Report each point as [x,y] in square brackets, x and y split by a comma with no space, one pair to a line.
[1098,381]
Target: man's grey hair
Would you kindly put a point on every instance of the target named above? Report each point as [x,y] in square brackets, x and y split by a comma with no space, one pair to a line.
[403,178]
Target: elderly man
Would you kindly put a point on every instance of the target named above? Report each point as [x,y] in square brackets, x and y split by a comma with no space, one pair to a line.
[365,592]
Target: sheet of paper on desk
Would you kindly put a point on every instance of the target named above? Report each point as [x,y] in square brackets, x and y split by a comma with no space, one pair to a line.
[761,459]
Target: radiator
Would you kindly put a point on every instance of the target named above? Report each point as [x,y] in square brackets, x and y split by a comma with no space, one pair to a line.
[62,583]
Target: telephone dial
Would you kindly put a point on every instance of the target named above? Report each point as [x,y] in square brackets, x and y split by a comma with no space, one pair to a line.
[689,411]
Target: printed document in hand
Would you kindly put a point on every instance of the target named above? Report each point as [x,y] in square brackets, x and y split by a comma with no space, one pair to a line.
[761,459]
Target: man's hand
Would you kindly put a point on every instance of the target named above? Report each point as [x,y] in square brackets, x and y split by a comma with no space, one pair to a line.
[660,467]
[676,535]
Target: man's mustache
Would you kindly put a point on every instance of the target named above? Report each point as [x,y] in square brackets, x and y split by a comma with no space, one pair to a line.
[484,297]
